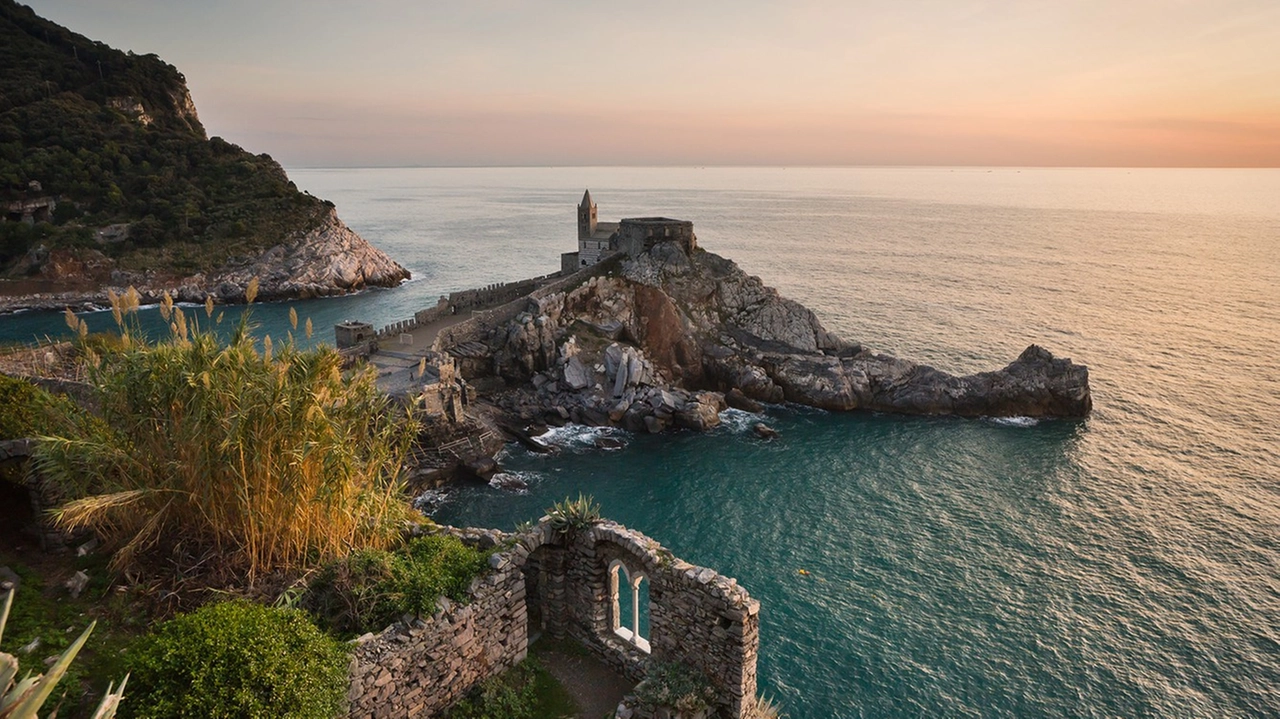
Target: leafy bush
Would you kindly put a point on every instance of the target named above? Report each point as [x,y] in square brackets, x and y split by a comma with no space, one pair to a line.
[261,459]
[237,659]
[19,408]
[570,516]
[370,589]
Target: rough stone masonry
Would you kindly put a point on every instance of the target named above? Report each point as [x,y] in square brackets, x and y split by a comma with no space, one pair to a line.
[542,581]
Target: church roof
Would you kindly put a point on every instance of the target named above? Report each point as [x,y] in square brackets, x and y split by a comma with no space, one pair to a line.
[586,199]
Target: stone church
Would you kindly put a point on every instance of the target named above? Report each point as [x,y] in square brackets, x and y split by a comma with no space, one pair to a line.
[598,240]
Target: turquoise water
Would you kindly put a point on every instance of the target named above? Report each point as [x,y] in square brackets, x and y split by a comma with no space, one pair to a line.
[1125,565]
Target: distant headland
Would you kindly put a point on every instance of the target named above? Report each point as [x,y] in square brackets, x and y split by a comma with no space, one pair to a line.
[108,180]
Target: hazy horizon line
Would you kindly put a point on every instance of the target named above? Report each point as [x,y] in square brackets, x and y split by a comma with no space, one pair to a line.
[514,166]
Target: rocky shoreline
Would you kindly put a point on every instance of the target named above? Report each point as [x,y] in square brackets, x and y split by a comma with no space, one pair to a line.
[329,259]
[669,339]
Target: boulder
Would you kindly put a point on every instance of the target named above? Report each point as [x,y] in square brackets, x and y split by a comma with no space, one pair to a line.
[576,374]
[737,400]
[764,431]
[701,414]
[481,466]
[504,480]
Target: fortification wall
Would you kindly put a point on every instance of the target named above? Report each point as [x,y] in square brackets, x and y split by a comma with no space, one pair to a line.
[481,326]
[638,234]
[465,301]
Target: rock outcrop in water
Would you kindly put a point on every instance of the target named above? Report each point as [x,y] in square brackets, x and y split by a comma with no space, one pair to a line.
[656,341]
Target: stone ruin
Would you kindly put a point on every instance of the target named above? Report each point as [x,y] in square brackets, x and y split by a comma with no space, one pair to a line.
[444,392]
[546,583]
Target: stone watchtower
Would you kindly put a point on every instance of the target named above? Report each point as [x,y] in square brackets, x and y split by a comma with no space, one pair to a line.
[587,221]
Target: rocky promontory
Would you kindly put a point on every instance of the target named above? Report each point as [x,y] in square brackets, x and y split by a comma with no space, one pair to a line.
[327,259]
[669,339]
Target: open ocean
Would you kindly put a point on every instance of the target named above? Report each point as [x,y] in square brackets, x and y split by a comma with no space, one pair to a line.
[1127,565]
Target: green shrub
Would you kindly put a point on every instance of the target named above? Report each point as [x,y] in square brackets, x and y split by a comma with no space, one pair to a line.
[19,408]
[370,589]
[676,686]
[237,659]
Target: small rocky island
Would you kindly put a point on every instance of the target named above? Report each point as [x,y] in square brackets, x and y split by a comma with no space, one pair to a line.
[645,330]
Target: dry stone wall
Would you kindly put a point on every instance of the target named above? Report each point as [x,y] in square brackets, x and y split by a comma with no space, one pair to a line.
[542,581]
[420,666]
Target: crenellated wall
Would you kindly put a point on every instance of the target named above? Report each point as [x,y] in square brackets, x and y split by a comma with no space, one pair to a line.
[479,327]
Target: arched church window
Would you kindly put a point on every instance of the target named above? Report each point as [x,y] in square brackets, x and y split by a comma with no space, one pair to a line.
[626,597]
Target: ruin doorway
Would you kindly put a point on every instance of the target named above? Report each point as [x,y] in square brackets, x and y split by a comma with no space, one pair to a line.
[544,592]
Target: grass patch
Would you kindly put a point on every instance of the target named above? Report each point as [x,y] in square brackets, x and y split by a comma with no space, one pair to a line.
[526,691]
[44,614]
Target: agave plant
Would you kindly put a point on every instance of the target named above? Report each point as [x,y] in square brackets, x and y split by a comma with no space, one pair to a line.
[569,516]
[22,699]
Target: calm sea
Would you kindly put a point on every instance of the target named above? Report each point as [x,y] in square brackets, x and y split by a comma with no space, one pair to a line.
[1127,565]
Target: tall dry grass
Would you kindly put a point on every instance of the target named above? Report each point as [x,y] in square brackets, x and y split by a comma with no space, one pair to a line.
[260,455]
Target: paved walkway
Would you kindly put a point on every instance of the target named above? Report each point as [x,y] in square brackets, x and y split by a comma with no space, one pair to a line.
[398,363]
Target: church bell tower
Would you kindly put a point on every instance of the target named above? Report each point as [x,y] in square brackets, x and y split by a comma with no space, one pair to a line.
[586,217]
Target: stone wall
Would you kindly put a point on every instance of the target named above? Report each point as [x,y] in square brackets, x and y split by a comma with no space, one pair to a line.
[696,616]
[546,582]
[464,301]
[641,233]
[42,495]
[480,327]
[420,667]
[30,211]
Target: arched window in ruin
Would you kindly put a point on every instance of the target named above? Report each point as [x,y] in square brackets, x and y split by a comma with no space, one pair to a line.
[627,627]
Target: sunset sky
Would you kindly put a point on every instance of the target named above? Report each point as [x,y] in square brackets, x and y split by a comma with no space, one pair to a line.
[725,82]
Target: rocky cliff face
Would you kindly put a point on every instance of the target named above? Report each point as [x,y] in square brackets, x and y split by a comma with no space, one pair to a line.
[328,259]
[666,334]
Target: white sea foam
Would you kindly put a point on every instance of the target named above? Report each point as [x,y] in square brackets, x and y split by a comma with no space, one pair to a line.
[578,436]
[430,500]
[1014,421]
[739,421]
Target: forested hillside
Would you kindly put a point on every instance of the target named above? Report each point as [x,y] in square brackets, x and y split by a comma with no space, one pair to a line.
[114,139]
